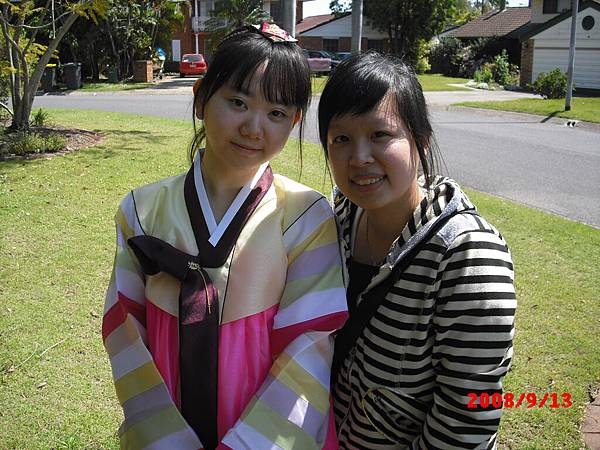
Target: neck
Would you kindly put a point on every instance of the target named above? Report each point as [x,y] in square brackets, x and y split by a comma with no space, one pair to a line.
[386,224]
[221,185]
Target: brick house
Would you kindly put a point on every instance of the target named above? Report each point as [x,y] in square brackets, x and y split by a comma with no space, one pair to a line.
[193,37]
[545,42]
[326,32]
[537,38]
[504,25]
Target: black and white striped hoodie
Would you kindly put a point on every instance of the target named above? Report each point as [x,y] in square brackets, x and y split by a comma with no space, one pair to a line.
[442,332]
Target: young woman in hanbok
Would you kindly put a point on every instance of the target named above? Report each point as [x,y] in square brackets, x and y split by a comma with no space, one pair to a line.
[227,282]
[421,360]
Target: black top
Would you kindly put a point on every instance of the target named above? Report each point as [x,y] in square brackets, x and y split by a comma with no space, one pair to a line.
[360,276]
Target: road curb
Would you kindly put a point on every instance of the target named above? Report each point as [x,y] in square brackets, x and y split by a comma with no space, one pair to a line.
[532,118]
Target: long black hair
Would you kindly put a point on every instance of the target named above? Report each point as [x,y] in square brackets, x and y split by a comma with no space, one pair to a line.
[360,82]
[285,80]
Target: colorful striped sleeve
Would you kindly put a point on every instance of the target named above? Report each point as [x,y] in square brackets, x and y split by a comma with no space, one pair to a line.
[151,419]
[292,408]
[472,352]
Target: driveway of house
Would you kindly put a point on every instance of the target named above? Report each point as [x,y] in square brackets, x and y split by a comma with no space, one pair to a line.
[520,157]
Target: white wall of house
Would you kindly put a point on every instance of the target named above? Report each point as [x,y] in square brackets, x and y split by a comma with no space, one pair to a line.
[537,10]
[551,50]
[343,28]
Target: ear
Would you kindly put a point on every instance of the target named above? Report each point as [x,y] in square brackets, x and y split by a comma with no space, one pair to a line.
[297,117]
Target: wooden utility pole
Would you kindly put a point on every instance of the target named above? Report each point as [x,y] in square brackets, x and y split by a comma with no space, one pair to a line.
[357,19]
[571,68]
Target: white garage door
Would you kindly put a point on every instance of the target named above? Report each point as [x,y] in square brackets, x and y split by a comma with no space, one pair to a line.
[587,64]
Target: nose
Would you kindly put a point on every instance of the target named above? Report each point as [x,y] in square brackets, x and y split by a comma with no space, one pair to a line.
[361,155]
[252,126]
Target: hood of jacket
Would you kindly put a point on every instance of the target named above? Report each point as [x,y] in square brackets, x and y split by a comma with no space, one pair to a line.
[444,198]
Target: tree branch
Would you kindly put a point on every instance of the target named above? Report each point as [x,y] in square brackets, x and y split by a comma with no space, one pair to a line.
[3,105]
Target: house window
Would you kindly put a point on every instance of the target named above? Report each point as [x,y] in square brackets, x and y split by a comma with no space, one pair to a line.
[550,6]
[375,44]
[330,45]
[587,23]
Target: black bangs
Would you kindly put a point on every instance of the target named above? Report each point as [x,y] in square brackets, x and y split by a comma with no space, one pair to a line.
[355,87]
[286,76]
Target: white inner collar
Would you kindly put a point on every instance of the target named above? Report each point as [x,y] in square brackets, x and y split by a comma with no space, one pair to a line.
[215,230]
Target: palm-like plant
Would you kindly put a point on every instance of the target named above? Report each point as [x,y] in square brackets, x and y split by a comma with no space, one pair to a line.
[228,15]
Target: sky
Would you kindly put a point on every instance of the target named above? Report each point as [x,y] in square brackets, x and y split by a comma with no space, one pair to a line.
[317,7]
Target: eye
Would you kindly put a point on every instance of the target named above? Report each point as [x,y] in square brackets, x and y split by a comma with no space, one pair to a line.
[236,102]
[340,139]
[381,134]
[278,114]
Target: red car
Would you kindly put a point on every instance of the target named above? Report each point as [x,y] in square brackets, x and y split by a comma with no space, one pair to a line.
[192,64]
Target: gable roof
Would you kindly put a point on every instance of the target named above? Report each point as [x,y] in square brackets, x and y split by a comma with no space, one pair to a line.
[308,23]
[494,23]
[535,28]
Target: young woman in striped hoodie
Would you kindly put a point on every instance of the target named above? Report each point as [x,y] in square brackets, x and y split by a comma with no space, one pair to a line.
[430,292]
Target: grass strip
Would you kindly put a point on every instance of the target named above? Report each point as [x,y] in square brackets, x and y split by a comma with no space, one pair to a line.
[429,82]
[582,108]
[56,252]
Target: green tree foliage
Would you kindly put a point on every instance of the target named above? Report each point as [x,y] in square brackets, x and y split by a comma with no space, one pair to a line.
[464,12]
[130,30]
[228,15]
[21,22]
[408,21]
[340,7]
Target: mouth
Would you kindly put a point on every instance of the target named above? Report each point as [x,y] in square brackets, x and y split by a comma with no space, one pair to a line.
[245,148]
[367,180]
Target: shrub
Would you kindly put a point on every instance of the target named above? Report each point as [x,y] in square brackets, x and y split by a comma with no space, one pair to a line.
[501,69]
[40,118]
[443,56]
[22,143]
[422,65]
[485,74]
[551,85]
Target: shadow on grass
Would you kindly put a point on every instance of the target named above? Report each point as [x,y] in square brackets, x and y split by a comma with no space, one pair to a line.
[131,140]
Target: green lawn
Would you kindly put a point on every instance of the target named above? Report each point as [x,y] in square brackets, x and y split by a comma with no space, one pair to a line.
[56,252]
[438,82]
[429,82]
[582,108]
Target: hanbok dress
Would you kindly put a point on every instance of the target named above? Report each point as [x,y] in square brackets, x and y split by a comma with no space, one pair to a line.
[219,334]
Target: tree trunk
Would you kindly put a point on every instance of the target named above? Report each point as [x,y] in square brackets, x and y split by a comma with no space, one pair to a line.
[22,103]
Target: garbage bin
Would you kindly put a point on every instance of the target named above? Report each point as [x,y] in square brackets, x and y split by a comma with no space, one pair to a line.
[72,75]
[49,78]
[111,74]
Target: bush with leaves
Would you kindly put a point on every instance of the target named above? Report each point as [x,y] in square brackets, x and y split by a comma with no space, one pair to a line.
[443,56]
[551,85]
[484,74]
[22,143]
[40,118]
[422,65]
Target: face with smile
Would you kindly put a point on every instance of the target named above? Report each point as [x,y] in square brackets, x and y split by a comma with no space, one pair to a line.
[374,159]
[244,130]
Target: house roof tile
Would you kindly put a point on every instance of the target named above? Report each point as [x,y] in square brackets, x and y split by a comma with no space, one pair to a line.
[308,23]
[494,23]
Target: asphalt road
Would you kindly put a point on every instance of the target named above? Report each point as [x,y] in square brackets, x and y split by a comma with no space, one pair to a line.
[545,165]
